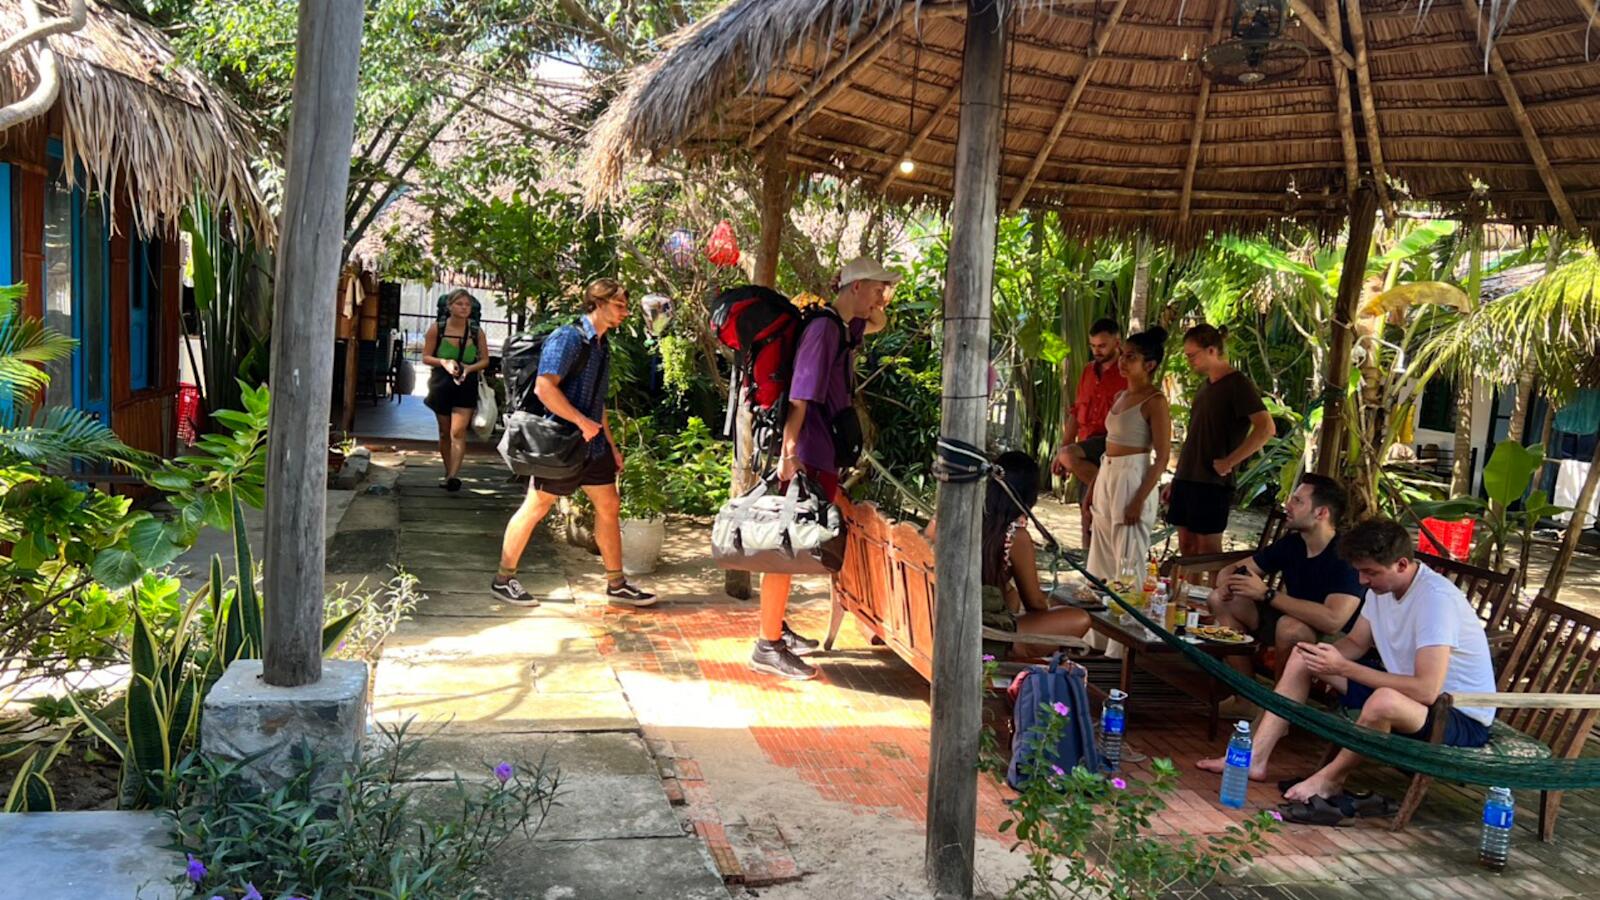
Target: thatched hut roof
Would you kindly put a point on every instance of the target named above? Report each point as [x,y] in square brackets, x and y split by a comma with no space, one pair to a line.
[131,116]
[1108,118]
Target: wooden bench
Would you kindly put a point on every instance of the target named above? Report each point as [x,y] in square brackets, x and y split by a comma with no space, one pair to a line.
[887,583]
[1548,700]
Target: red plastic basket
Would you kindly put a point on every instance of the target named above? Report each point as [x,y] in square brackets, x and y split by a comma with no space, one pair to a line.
[188,412]
[1457,537]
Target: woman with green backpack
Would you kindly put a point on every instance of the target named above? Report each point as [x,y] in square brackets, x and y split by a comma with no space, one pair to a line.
[456,349]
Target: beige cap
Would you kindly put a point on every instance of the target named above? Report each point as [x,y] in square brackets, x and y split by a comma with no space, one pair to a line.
[864,269]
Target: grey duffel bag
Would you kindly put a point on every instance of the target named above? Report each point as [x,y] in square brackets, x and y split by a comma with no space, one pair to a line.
[797,532]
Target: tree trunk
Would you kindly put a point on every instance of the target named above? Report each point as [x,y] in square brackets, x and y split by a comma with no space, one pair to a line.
[1335,378]
[316,175]
[1138,305]
[957,690]
[775,197]
[1569,543]
[1461,465]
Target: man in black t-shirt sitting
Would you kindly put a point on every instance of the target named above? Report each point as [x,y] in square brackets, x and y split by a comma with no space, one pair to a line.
[1319,594]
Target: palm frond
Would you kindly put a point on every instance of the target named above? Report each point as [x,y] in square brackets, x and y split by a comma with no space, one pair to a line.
[64,435]
[25,345]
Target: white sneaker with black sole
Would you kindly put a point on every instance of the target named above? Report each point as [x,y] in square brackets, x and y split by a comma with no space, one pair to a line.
[625,594]
[512,592]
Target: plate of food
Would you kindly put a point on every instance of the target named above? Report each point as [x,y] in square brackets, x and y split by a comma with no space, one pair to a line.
[1221,634]
[1084,596]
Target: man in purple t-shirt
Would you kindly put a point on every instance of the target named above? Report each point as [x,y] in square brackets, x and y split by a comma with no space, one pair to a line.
[819,390]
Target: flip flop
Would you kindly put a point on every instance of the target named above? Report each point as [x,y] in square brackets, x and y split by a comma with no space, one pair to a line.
[1288,784]
[1318,811]
[1366,805]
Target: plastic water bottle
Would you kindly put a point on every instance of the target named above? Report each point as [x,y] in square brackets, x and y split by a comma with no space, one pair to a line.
[1236,772]
[1113,721]
[1498,812]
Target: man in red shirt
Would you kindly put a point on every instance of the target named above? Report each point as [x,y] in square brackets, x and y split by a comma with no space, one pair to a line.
[1083,439]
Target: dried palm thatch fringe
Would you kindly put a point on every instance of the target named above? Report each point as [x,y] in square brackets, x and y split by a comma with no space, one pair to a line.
[132,118]
[1264,154]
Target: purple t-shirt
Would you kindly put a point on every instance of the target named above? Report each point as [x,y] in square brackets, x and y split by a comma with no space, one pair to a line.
[822,379]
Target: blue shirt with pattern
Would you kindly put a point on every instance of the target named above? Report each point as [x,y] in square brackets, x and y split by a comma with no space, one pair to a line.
[585,390]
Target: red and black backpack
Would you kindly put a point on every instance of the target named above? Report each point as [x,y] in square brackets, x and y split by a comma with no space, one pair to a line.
[762,327]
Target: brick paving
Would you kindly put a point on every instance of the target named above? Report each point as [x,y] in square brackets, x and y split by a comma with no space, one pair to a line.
[858,735]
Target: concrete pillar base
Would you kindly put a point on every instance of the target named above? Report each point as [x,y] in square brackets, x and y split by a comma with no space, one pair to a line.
[244,716]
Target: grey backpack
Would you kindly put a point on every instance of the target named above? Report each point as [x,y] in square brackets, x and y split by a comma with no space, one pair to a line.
[797,532]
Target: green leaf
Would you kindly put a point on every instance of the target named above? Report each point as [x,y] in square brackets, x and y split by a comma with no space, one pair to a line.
[249,603]
[334,632]
[169,480]
[1510,471]
[116,568]
[149,542]
[100,729]
[1449,510]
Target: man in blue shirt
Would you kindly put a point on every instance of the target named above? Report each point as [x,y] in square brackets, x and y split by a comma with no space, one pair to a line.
[578,397]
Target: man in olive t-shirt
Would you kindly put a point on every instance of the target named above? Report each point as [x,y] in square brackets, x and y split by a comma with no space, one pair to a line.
[1227,423]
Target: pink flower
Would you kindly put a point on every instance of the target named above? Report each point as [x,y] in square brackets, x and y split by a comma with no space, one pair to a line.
[1058,770]
[988,657]
[1119,784]
[1061,708]
[1277,815]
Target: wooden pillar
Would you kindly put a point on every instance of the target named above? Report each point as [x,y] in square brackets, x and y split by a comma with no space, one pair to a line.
[1336,378]
[311,237]
[969,282]
[775,199]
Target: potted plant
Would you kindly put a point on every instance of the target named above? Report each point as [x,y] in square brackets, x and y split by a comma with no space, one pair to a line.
[644,499]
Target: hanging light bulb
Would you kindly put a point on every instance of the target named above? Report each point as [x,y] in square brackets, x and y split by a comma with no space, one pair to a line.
[907,166]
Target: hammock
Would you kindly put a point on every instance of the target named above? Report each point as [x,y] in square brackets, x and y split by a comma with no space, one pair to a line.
[1457,764]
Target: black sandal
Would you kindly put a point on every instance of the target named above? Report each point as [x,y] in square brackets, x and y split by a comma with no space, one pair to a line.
[1288,784]
[1366,805]
[1317,811]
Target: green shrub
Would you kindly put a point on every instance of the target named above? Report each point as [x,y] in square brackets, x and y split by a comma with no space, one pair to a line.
[389,837]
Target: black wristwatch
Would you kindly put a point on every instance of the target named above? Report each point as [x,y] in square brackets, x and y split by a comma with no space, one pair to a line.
[1272,593]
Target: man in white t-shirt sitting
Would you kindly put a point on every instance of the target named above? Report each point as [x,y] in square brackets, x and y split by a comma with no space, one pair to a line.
[1428,641]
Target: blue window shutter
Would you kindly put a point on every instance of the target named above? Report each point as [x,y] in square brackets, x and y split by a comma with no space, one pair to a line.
[138,315]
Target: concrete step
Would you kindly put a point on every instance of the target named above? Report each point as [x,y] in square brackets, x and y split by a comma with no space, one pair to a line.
[75,855]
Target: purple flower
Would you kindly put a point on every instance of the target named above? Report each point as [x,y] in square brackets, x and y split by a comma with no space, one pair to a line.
[1059,771]
[1119,784]
[1277,815]
[503,772]
[216,897]
[988,657]
[250,892]
[1061,708]
[196,869]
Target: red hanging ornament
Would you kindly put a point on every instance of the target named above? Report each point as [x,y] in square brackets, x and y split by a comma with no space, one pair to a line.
[723,248]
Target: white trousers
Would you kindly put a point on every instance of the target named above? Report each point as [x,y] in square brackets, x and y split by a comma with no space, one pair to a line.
[1114,546]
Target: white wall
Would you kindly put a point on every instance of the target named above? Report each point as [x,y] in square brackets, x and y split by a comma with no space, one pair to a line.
[1482,410]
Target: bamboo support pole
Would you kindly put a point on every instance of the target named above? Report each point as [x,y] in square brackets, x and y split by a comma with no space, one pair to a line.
[1519,114]
[1078,85]
[1198,130]
[311,233]
[1335,378]
[969,281]
[1369,108]
[1323,33]
[915,144]
[1341,103]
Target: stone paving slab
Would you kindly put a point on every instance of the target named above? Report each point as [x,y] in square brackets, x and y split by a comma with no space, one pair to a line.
[440,755]
[508,711]
[482,639]
[661,869]
[371,511]
[482,604]
[79,855]
[470,578]
[566,673]
[361,550]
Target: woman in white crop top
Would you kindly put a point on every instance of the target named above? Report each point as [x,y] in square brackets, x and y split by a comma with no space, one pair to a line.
[1124,501]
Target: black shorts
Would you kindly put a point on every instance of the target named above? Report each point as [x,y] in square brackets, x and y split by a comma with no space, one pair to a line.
[445,396]
[1201,508]
[1094,449]
[1267,617]
[1460,730]
[597,471]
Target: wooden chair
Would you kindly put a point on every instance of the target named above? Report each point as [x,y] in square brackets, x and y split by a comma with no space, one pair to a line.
[1548,701]
[1202,569]
[1493,594]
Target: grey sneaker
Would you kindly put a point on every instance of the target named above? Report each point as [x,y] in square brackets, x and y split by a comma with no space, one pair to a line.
[775,658]
[512,592]
[799,645]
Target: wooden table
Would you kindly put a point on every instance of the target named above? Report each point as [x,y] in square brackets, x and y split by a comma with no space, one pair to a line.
[1153,655]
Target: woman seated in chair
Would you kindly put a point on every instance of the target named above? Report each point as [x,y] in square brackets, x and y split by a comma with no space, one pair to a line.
[1012,598]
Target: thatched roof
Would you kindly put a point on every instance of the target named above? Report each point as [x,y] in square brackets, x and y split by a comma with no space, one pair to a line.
[129,116]
[1130,135]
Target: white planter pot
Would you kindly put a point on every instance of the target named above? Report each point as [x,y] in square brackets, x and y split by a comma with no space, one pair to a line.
[641,544]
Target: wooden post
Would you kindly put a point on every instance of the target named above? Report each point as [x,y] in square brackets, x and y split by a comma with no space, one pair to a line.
[775,197]
[969,281]
[311,237]
[1336,377]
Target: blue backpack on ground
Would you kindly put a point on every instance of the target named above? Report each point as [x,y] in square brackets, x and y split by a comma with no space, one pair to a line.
[1042,687]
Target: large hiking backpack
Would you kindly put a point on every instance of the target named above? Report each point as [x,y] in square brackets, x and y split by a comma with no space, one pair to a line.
[1037,690]
[762,327]
[536,442]
[474,321]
